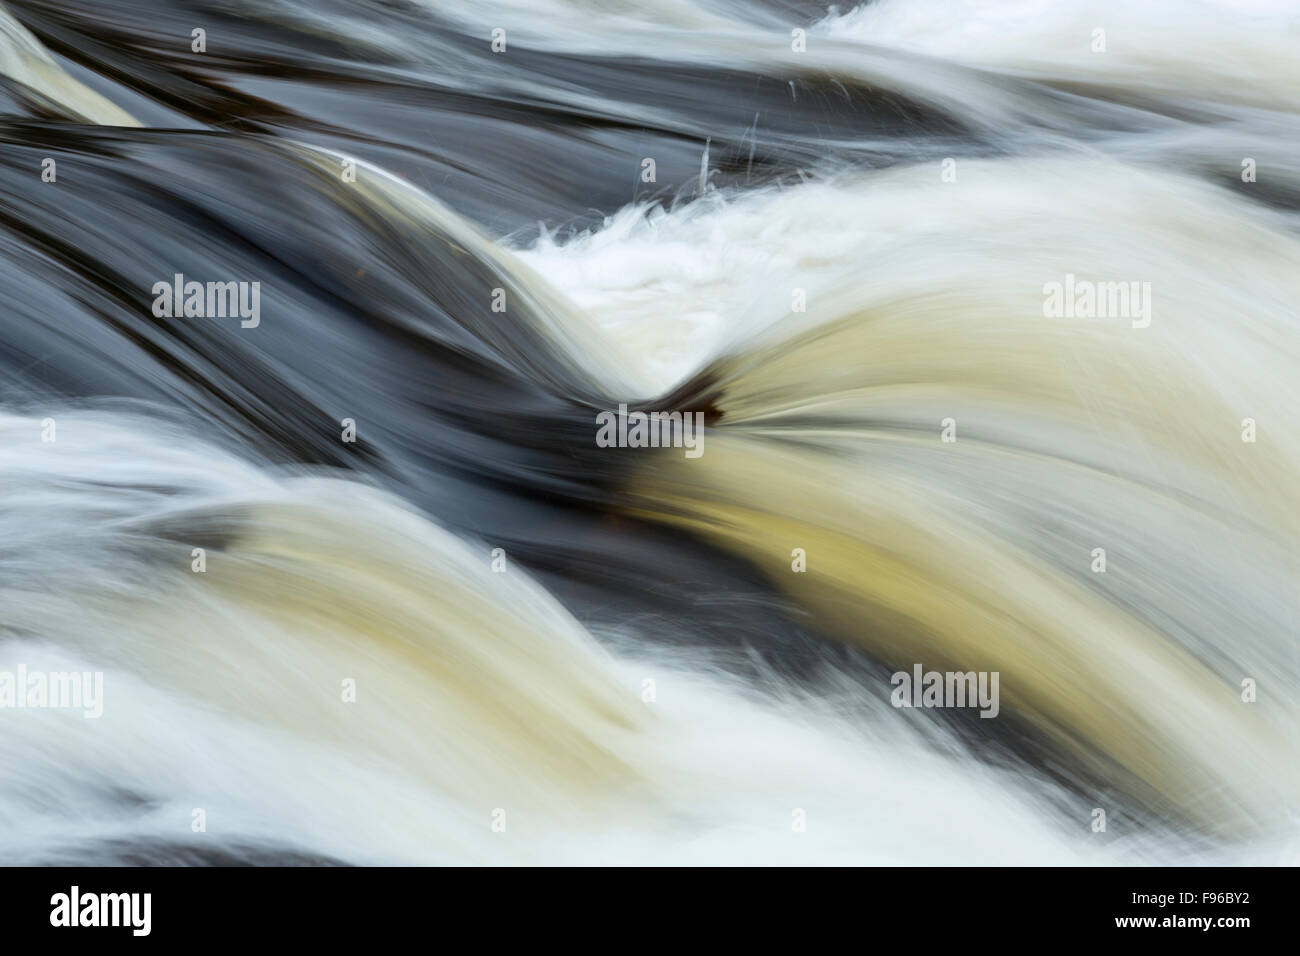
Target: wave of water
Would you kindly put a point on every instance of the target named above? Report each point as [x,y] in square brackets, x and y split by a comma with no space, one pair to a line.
[854,216]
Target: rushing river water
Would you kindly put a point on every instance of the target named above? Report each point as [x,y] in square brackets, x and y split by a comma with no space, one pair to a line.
[308,313]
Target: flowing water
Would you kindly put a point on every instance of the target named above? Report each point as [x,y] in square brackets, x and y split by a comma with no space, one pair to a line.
[474,635]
